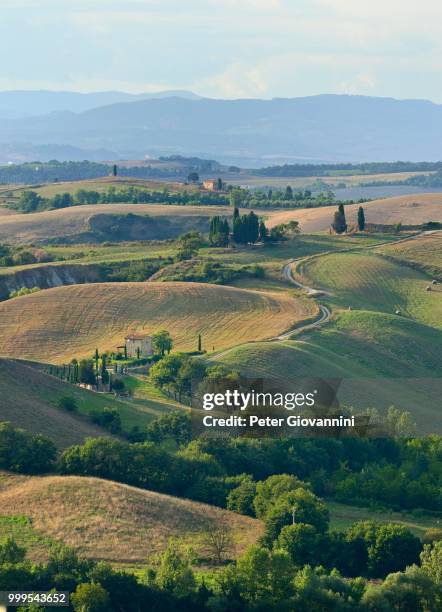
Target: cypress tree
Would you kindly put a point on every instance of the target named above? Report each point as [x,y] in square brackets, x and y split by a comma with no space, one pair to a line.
[339,222]
[225,232]
[288,193]
[263,232]
[238,229]
[104,372]
[252,228]
[361,219]
[200,344]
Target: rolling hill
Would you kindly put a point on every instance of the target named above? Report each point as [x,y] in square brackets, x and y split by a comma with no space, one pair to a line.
[32,406]
[369,281]
[408,209]
[58,324]
[97,223]
[423,252]
[109,521]
[379,360]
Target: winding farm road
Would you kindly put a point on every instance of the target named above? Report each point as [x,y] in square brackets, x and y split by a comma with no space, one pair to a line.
[324,313]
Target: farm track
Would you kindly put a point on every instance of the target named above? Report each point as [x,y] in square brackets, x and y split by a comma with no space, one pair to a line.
[325,311]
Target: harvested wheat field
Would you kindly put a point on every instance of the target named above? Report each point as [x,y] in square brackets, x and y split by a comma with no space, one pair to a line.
[412,209]
[106,520]
[58,324]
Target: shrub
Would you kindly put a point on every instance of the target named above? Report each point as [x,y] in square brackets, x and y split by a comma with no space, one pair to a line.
[67,403]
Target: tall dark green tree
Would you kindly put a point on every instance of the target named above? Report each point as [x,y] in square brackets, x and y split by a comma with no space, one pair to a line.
[86,373]
[219,231]
[238,228]
[193,177]
[263,232]
[288,193]
[115,170]
[339,222]
[104,372]
[361,219]
[252,228]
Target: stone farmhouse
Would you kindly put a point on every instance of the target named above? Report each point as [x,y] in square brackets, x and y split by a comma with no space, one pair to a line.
[139,345]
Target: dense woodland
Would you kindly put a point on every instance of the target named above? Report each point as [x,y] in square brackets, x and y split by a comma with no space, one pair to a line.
[299,562]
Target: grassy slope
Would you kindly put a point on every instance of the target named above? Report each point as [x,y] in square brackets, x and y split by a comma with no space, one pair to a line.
[32,406]
[412,209]
[343,516]
[108,520]
[371,282]
[382,360]
[57,324]
[425,252]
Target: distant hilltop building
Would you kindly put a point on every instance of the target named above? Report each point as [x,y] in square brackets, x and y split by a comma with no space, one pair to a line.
[139,345]
[213,184]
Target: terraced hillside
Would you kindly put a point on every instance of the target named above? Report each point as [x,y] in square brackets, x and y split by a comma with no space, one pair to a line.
[413,209]
[58,324]
[107,520]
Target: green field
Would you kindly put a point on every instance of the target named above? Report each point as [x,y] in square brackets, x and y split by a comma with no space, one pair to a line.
[343,516]
[33,406]
[381,360]
[371,282]
[424,253]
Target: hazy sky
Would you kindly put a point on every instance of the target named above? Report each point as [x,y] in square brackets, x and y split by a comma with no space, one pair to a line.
[225,48]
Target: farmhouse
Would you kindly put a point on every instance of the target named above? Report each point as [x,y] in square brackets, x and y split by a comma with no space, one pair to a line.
[138,345]
[213,185]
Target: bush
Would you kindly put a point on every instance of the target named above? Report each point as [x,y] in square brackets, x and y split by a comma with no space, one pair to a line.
[118,385]
[23,291]
[109,419]
[67,403]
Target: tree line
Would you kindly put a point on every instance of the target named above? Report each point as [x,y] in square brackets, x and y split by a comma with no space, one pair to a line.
[260,579]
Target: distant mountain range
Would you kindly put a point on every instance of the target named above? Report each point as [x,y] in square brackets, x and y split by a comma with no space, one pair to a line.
[325,128]
[17,104]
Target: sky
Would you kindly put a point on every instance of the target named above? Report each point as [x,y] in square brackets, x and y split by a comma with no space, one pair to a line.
[224,48]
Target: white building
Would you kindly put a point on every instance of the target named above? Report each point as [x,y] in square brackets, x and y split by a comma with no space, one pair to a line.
[139,345]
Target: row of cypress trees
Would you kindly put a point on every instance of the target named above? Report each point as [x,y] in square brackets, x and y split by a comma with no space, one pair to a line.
[247,229]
